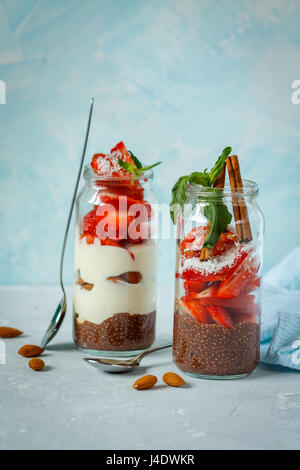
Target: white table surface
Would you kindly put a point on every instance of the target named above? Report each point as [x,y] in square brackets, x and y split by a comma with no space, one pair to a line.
[71,405]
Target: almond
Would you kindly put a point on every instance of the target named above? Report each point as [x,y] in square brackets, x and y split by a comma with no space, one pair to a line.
[85,285]
[132,277]
[172,379]
[147,381]
[30,350]
[8,332]
[36,363]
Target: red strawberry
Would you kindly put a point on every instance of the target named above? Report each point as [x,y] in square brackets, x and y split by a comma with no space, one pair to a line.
[209,292]
[236,280]
[220,315]
[125,155]
[123,202]
[227,240]
[191,274]
[109,242]
[103,164]
[252,284]
[242,301]
[198,311]
[224,273]
[197,233]
[194,286]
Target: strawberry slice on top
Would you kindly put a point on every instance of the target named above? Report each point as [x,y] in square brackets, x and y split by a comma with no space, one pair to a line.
[108,164]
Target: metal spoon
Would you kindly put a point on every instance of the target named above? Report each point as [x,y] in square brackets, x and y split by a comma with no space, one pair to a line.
[60,312]
[119,365]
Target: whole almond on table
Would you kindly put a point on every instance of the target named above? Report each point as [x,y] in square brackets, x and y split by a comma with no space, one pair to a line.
[8,332]
[30,350]
[147,381]
[172,379]
[36,363]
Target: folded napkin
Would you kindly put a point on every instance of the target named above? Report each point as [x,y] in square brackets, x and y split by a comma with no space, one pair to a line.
[280,330]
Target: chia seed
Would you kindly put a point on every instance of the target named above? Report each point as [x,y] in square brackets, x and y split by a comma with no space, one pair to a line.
[121,332]
[211,349]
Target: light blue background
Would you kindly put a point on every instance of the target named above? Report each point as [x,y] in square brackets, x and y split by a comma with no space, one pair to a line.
[177,80]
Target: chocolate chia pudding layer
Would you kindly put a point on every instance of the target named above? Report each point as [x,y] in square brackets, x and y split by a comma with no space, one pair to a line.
[121,332]
[213,349]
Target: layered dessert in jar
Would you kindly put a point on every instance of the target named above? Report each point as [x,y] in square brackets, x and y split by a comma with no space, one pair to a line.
[115,256]
[217,305]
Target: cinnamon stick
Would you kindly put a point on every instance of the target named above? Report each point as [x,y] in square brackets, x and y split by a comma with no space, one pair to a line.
[220,179]
[240,211]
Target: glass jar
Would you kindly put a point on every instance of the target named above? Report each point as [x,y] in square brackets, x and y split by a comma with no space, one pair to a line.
[217,306]
[115,265]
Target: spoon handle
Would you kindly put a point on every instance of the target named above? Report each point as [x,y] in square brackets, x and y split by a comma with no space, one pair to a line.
[74,196]
[149,351]
[60,312]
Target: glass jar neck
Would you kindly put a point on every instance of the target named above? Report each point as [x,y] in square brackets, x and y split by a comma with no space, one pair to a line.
[249,191]
[92,179]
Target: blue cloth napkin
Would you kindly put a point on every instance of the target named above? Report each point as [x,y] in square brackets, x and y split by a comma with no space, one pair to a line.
[280,330]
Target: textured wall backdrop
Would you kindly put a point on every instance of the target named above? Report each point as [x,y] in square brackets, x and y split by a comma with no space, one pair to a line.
[177,80]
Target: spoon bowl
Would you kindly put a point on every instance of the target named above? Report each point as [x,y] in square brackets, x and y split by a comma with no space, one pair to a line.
[107,367]
[121,365]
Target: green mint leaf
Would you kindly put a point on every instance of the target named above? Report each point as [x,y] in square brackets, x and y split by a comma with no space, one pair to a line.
[219,216]
[136,160]
[199,178]
[215,211]
[135,170]
[178,197]
[219,165]
[127,166]
[145,168]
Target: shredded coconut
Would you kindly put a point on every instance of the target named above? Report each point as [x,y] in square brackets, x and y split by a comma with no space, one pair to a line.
[108,165]
[217,263]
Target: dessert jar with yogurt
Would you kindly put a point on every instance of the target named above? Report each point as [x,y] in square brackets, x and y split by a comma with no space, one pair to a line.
[115,257]
[217,305]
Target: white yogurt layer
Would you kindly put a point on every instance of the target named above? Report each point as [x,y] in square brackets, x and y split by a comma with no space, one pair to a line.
[96,263]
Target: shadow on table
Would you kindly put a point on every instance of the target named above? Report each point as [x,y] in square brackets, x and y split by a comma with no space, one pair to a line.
[61,347]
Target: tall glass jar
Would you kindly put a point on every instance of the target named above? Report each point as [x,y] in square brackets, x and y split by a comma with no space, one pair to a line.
[217,305]
[115,265]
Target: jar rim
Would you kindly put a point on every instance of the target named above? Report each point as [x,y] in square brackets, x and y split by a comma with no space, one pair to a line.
[250,188]
[90,175]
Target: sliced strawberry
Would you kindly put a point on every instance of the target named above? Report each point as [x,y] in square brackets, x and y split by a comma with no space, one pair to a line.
[90,221]
[252,284]
[224,273]
[193,275]
[194,286]
[95,160]
[227,240]
[123,202]
[198,311]
[125,155]
[112,224]
[220,315]
[194,240]
[197,233]
[236,281]
[243,302]
[207,293]
[109,242]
